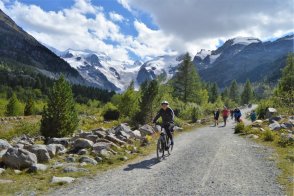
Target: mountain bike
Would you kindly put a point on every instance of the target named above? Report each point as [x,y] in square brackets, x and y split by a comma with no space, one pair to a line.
[163,144]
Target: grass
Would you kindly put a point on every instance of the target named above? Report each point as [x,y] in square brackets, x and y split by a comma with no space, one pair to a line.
[284,156]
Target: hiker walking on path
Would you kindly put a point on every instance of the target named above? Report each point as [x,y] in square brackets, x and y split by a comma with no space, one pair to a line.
[225,113]
[216,116]
[237,114]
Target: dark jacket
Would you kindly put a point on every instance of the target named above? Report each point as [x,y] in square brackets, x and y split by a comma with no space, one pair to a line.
[167,116]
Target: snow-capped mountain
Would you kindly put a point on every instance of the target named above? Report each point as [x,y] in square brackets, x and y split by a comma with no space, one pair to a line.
[100,69]
[162,66]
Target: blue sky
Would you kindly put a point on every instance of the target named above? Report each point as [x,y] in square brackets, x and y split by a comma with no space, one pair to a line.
[128,30]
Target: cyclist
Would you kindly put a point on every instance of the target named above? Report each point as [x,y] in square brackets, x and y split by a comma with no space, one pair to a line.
[167,116]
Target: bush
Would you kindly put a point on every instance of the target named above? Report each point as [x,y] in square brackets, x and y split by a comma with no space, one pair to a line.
[239,128]
[110,112]
[286,140]
[268,135]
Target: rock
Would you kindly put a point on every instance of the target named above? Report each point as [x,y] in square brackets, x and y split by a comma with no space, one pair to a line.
[57,165]
[54,149]
[69,169]
[2,152]
[98,159]
[19,158]
[2,170]
[115,140]
[275,118]
[40,151]
[4,144]
[18,145]
[105,153]
[287,137]
[37,167]
[258,121]
[275,126]
[99,133]
[89,136]
[16,171]
[270,112]
[146,130]
[176,128]
[64,141]
[100,146]
[3,181]
[89,160]
[124,131]
[62,180]
[137,134]
[157,128]
[82,143]
[124,158]
[70,159]
[262,129]
[287,125]
[82,152]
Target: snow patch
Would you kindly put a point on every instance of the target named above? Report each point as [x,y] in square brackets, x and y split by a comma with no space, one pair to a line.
[245,40]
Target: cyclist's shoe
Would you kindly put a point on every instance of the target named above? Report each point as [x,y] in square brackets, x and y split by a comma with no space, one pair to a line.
[172,143]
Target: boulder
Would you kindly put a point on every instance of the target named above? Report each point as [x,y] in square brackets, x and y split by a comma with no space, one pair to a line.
[275,118]
[146,130]
[82,152]
[100,146]
[19,158]
[275,126]
[105,153]
[89,136]
[98,159]
[137,134]
[69,169]
[54,149]
[115,140]
[82,143]
[123,130]
[37,167]
[70,159]
[62,180]
[4,144]
[16,171]
[64,141]
[40,151]
[287,125]
[99,133]
[2,170]
[89,160]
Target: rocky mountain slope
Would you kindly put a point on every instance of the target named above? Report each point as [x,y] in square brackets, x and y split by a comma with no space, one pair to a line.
[242,58]
[19,48]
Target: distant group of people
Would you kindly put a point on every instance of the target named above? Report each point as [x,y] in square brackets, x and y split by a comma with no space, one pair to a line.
[235,114]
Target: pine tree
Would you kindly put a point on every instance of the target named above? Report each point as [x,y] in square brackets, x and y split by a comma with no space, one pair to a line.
[13,106]
[128,103]
[247,93]
[225,94]
[59,116]
[187,81]
[213,93]
[149,91]
[29,107]
[234,93]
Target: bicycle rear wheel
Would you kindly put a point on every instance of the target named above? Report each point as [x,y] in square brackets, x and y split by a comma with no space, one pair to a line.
[160,149]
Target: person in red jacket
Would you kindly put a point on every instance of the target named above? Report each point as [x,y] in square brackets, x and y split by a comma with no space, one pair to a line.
[226,114]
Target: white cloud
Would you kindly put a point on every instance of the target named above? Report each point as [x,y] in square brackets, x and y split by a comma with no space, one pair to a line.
[200,23]
[116,17]
[125,4]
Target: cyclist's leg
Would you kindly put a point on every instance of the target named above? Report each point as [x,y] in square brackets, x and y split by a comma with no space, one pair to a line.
[169,133]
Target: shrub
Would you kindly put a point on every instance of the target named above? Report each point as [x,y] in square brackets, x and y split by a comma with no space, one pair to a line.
[268,135]
[239,128]
[13,108]
[110,112]
[286,140]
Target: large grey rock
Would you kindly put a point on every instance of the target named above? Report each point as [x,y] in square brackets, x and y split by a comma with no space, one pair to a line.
[275,118]
[4,144]
[62,180]
[99,133]
[124,131]
[37,167]
[89,136]
[54,149]
[89,160]
[146,130]
[64,141]
[2,170]
[40,151]
[115,140]
[287,125]
[82,143]
[275,126]
[100,146]
[137,134]
[82,152]
[19,158]
[105,153]
[69,169]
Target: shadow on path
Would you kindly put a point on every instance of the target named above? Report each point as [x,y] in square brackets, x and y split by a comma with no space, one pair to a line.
[146,164]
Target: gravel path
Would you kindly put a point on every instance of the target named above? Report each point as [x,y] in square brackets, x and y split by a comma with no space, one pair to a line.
[207,161]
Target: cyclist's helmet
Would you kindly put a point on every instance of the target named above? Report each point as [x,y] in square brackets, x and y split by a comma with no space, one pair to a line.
[164,102]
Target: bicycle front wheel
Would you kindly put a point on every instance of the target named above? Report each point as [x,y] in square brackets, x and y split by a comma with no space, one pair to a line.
[160,149]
